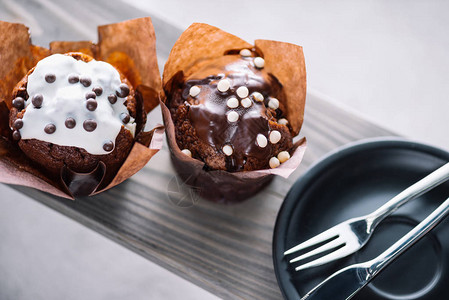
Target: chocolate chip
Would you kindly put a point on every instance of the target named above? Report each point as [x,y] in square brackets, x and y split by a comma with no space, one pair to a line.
[91,95]
[19,103]
[125,118]
[90,125]
[74,78]
[108,146]
[112,98]
[18,124]
[70,123]
[98,90]
[85,80]
[37,100]
[50,128]
[50,78]
[91,104]
[124,90]
[16,135]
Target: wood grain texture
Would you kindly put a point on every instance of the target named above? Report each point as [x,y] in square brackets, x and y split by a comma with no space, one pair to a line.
[224,249]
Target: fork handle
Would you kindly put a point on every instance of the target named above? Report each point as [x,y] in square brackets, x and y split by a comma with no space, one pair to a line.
[409,239]
[427,183]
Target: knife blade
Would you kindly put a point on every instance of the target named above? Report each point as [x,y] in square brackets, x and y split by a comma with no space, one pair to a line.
[341,285]
[344,284]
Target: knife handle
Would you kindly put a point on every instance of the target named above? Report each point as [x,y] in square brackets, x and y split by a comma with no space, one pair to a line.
[380,262]
[419,188]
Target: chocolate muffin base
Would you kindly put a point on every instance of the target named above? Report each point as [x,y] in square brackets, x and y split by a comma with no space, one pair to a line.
[54,157]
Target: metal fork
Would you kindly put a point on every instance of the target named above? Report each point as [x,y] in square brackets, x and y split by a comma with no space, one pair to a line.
[351,235]
[345,283]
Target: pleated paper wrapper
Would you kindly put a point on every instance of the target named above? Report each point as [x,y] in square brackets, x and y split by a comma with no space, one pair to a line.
[285,61]
[130,47]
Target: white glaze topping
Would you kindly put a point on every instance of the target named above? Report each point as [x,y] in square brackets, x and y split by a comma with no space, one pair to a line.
[63,100]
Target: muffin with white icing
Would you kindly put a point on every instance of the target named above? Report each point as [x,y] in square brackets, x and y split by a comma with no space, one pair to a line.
[71,110]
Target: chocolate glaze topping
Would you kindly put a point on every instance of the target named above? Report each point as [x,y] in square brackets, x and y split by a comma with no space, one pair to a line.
[208,110]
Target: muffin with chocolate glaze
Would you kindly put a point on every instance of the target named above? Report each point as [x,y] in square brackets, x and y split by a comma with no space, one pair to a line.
[73,111]
[229,113]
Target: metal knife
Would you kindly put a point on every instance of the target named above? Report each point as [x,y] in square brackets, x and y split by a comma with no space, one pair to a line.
[344,284]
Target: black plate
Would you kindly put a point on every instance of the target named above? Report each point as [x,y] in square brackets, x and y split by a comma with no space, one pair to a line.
[354,181]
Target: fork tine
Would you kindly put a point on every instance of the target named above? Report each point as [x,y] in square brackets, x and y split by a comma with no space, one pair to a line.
[340,253]
[324,236]
[328,246]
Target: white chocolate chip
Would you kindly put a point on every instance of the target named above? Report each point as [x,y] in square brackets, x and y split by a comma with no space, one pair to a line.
[223,85]
[245,52]
[259,62]
[261,141]
[246,102]
[273,103]
[283,121]
[232,102]
[274,162]
[258,96]
[187,152]
[275,136]
[233,116]
[194,91]
[242,92]
[227,150]
[283,156]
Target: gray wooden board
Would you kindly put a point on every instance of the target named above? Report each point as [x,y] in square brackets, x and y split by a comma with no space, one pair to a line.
[223,249]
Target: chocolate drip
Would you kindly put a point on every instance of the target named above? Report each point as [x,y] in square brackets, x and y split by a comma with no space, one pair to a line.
[208,111]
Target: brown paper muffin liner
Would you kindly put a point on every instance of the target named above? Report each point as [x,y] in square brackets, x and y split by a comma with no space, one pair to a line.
[134,55]
[283,60]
